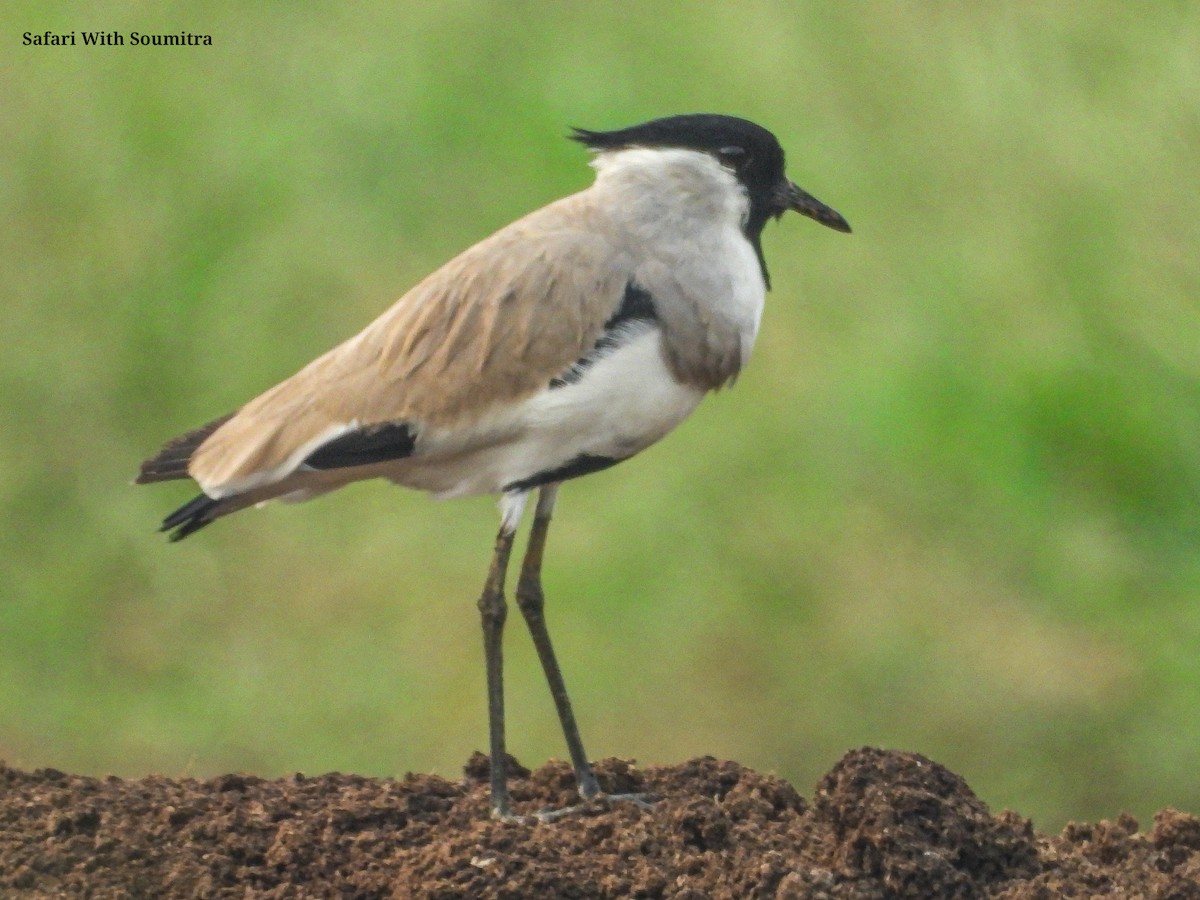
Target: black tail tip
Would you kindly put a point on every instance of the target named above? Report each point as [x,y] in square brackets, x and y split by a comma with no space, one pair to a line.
[190,518]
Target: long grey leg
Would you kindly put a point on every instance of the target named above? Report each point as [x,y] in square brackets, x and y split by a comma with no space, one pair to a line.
[494,611]
[531,601]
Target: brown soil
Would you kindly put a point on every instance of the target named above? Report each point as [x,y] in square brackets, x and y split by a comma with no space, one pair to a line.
[881,824]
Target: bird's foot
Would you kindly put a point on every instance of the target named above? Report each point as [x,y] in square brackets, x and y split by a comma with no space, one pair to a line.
[511,818]
[641,801]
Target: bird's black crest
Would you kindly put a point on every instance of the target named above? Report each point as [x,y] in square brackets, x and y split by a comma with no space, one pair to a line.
[749,150]
[705,132]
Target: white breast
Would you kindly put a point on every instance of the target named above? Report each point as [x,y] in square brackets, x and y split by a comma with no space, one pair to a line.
[683,215]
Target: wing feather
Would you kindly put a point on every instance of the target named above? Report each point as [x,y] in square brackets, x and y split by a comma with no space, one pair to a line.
[492,326]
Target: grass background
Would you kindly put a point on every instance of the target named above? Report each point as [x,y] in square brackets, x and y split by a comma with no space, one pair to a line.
[950,507]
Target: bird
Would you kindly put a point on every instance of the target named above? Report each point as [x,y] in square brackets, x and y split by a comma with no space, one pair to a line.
[566,342]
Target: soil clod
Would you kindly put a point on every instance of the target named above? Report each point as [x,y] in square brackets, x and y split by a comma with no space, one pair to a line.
[881,824]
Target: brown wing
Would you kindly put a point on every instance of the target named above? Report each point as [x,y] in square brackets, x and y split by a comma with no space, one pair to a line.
[171,462]
[493,325]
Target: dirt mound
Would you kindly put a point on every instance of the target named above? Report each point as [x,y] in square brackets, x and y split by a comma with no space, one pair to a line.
[882,824]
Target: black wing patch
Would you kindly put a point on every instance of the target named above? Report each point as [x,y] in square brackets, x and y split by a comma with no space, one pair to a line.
[636,306]
[372,444]
[583,464]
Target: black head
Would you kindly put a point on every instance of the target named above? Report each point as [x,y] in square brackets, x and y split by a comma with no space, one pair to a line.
[750,151]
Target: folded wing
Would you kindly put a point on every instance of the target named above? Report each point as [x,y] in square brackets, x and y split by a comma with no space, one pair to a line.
[492,326]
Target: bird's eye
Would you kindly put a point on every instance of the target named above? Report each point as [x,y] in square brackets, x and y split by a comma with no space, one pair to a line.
[733,155]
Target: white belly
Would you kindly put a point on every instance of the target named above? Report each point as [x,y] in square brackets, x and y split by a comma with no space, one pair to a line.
[623,403]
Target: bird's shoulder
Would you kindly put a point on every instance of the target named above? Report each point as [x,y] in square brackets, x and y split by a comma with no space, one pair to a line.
[496,322]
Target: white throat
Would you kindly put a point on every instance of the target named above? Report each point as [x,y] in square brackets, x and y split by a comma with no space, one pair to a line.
[654,183]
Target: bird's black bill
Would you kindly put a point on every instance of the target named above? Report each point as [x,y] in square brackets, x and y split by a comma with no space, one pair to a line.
[807,205]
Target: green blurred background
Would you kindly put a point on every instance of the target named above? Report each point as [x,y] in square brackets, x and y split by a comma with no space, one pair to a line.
[950,507]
